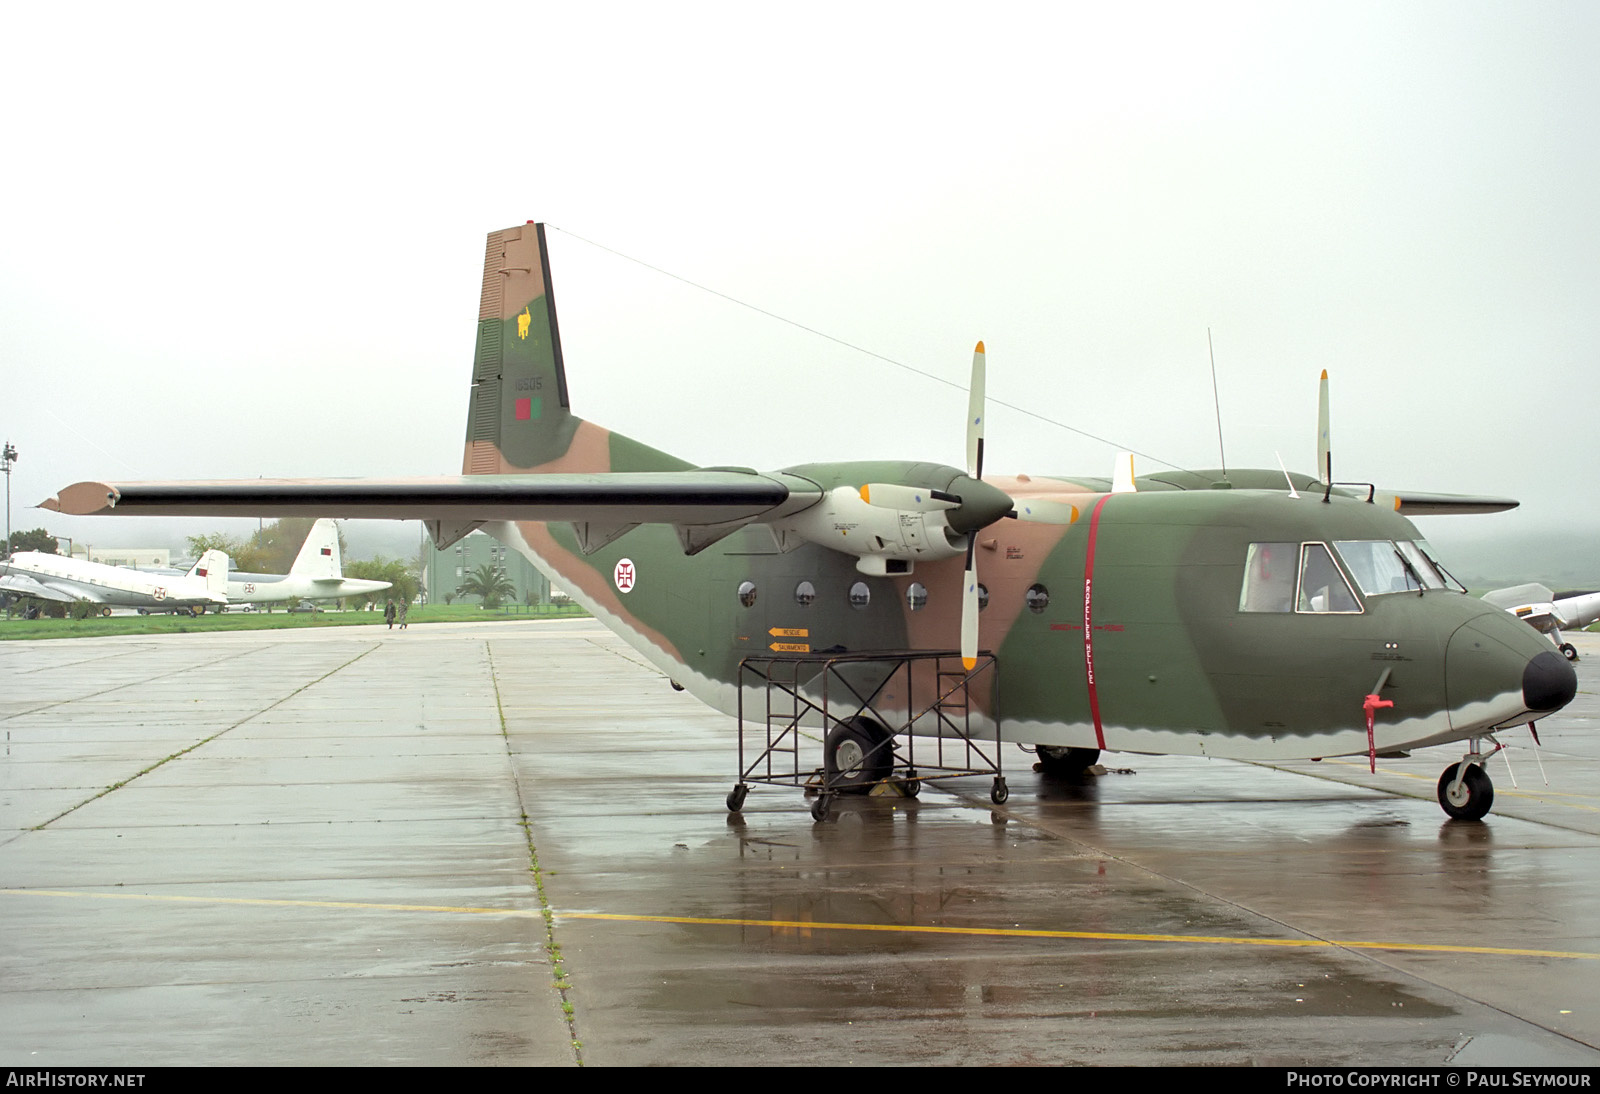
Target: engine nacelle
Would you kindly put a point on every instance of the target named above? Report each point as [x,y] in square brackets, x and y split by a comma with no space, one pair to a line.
[884,540]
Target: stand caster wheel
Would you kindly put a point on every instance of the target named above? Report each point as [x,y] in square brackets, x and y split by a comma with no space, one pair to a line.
[736,797]
[999,793]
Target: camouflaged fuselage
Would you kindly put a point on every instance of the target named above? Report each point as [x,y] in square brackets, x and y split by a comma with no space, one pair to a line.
[1122,629]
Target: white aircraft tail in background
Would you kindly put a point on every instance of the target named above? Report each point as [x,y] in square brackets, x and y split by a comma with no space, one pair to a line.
[1548,612]
[317,574]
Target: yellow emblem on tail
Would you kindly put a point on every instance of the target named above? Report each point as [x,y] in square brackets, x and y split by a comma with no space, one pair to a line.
[522,324]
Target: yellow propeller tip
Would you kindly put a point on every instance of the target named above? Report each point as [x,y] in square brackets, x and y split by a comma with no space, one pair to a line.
[865,496]
[1324,374]
[969,663]
[978,348]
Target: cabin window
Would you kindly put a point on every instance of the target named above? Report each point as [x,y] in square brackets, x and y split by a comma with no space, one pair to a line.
[747,593]
[1037,598]
[1323,588]
[917,596]
[1269,572]
[860,596]
[804,594]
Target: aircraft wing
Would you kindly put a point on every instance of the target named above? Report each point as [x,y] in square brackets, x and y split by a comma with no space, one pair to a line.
[22,585]
[1531,603]
[669,497]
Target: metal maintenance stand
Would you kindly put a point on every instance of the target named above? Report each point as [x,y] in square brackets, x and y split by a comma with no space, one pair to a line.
[874,707]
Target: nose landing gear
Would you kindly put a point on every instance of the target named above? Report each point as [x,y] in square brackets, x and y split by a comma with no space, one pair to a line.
[1465,790]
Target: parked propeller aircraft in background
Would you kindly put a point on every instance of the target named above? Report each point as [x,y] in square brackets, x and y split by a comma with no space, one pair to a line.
[317,574]
[1549,613]
[64,580]
[1249,614]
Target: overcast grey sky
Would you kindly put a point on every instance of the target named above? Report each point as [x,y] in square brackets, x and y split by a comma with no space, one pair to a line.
[249,242]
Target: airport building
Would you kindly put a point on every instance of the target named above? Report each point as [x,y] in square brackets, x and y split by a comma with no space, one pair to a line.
[138,558]
[444,571]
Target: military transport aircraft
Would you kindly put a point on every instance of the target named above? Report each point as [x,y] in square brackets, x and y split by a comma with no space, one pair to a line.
[63,579]
[1258,616]
[317,574]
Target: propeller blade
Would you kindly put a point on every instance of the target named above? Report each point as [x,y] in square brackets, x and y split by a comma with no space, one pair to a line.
[969,609]
[1044,511]
[1122,474]
[975,399]
[1324,444]
[911,499]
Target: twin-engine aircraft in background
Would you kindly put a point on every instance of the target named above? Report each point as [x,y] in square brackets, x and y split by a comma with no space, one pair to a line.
[1257,615]
[65,580]
[1549,613]
[317,574]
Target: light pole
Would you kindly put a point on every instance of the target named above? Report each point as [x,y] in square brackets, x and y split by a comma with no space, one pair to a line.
[10,455]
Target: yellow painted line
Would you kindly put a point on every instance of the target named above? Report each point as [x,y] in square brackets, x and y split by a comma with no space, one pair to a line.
[800,925]
[1500,791]
[1097,936]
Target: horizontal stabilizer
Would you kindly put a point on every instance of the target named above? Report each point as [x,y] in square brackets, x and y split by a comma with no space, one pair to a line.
[1410,503]
[23,585]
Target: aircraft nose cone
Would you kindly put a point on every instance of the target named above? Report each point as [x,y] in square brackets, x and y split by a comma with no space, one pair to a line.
[981,504]
[1548,682]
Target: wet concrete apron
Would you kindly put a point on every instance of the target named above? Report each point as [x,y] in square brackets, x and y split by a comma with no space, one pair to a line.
[507,844]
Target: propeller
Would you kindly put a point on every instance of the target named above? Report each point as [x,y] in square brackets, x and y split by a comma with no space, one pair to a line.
[969,601]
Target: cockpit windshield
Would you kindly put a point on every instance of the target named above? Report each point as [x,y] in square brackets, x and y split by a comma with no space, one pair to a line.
[1428,553]
[1303,577]
[1380,566]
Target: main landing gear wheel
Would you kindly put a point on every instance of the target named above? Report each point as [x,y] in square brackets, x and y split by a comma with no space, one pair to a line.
[106,612]
[1470,800]
[736,797]
[1568,650]
[1065,762]
[857,754]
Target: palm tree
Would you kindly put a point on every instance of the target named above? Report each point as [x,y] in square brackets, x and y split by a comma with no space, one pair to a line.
[489,582]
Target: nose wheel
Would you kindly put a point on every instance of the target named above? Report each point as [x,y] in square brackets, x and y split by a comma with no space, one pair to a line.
[1465,790]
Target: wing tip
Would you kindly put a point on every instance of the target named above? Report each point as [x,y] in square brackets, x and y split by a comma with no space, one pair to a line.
[83,499]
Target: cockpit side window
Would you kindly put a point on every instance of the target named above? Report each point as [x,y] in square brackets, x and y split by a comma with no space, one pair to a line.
[1269,570]
[1322,587]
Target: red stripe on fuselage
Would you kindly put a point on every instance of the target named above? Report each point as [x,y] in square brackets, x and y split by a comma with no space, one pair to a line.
[1088,623]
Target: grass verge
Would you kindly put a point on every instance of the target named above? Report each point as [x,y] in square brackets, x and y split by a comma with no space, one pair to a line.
[100,626]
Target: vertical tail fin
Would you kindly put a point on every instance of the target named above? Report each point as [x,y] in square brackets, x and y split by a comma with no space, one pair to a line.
[213,570]
[319,555]
[519,418]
